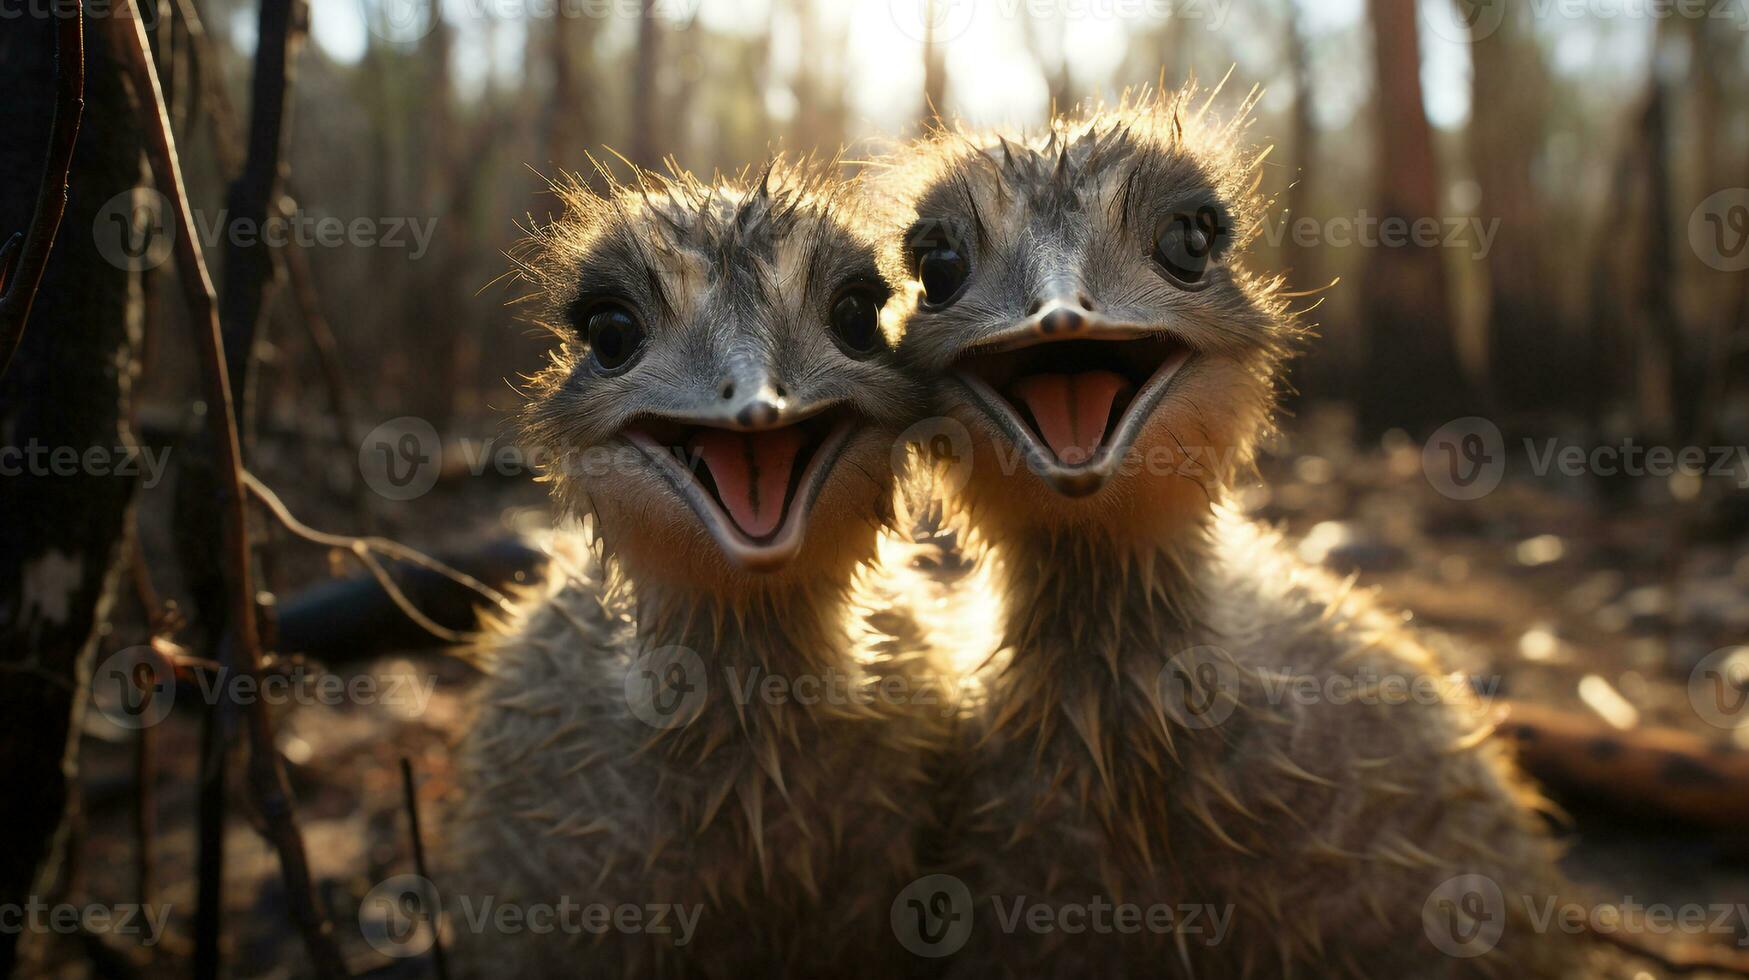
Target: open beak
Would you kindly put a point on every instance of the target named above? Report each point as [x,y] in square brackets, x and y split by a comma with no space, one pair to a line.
[1072,389]
[750,473]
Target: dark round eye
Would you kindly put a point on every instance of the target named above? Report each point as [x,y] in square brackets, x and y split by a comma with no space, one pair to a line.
[614,336]
[856,316]
[1184,248]
[943,270]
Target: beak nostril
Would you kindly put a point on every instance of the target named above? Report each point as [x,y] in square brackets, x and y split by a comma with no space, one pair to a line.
[728,390]
[1061,320]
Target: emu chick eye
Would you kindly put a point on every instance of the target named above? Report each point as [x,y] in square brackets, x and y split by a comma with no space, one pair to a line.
[942,270]
[855,319]
[614,336]
[1183,249]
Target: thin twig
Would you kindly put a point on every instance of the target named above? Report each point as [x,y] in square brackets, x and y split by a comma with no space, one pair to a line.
[293,262]
[366,550]
[209,906]
[145,771]
[266,776]
[21,280]
[249,263]
[407,784]
[1678,958]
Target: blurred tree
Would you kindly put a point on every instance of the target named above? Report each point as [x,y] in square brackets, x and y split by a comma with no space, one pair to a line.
[820,109]
[1660,356]
[649,121]
[1412,376]
[1300,262]
[1509,110]
[69,389]
[1044,39]
[934,68]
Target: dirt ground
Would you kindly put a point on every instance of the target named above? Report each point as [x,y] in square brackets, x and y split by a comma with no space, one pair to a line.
[1560,591]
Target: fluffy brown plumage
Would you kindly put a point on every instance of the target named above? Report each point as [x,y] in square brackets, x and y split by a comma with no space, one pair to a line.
[785,819]
[1135,739]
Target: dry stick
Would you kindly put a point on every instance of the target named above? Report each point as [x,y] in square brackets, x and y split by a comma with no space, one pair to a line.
[222,123]
[145,772]
[31,252]
[437,959]
[1679,958]
[266,777]
[366,550]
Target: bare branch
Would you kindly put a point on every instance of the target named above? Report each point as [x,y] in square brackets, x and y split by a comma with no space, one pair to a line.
[21,280]
[266,776]
[419,865]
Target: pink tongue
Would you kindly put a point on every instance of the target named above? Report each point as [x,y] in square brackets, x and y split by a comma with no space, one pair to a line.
[1071,410]
[752,471]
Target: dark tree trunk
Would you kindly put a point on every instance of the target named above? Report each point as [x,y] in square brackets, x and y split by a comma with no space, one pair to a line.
[1413,378]
[648,124]
[250,199]
[69,386]
[1509,96]
[1661,360]
[1300,262]
[570,121]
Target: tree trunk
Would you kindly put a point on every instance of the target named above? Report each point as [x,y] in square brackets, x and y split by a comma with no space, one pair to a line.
[1661,359]
[1509,112]
[1412,379]
[648,124]
[1300,262]
[569,120]
[67,391]
[934,69]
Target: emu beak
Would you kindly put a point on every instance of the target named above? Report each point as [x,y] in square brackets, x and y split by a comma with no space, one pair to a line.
[749,462]
[1072,389]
